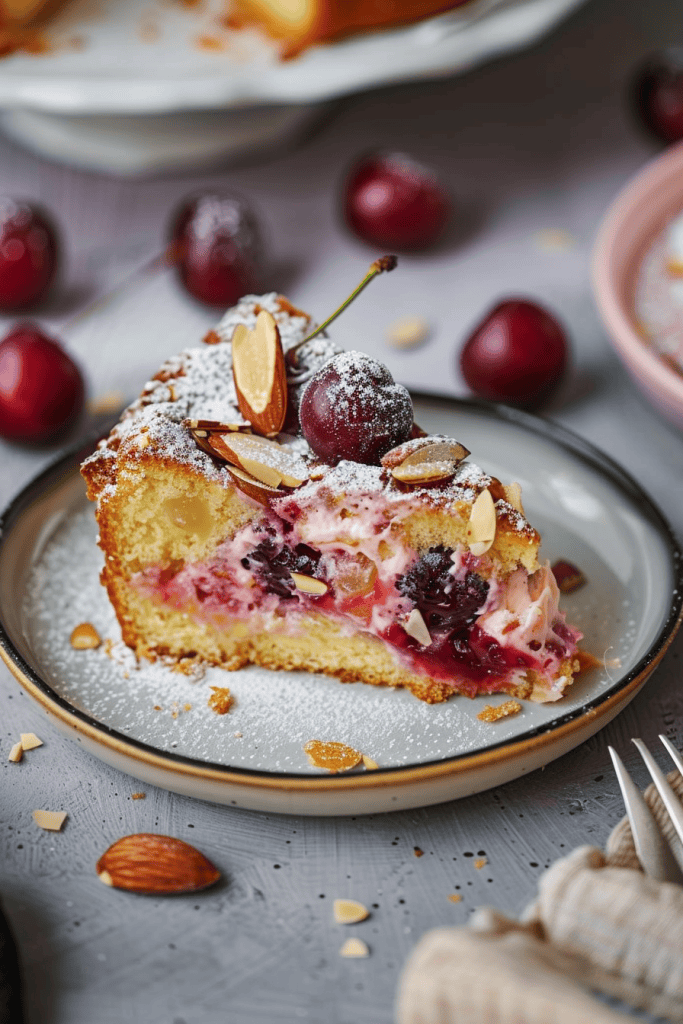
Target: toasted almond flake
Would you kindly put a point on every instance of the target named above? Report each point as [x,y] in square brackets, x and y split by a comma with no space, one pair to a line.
[425,448]
[455,897]
[260,376]
[52,821]
[481,530]
[424,473]
[354,947]
[416,627]
[309,584]
[513,496]
[418,852]
[221,700]
[480,863]
[29,741]
[138,796]
[493,713]
[16,753]
[335,757]
[349,911]
[407,332]
[369,763]
[252,487]
[85,637]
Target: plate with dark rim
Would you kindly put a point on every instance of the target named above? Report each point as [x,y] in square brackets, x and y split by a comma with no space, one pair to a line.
[155,723]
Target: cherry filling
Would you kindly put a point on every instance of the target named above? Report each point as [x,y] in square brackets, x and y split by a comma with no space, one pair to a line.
[273,563]
[445,603]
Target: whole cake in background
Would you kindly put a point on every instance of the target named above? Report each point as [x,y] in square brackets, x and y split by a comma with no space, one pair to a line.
[269,499]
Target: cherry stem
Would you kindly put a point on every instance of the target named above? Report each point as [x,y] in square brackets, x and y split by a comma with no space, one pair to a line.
[384,263]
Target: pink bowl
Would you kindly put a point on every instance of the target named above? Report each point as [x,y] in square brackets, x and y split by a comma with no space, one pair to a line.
[639,213]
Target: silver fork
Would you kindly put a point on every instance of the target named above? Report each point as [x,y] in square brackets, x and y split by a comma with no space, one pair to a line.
[652,848]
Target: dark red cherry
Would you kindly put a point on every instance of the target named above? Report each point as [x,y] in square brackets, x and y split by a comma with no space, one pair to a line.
[658,94]
[41,387]
[28,255]
[394,202]
[353,409]
[517,354]
[218,243]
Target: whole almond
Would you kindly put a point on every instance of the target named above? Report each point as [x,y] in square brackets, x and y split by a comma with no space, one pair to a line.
[258,366]
[155,865]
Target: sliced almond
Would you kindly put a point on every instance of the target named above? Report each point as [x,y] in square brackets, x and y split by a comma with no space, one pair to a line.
[252,487]
[154,864]
[349,911]
[354,948]
[513,496]
[268,461]
[407,332]
[29,741]
[369,764]
[16,753]
[309,584]
[258,366]
[335,757]
[85,637]
[416,627]
[424,473]
[427,448]
[51,821]
[481,530]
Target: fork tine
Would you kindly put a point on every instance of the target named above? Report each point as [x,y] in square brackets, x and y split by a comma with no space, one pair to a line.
[675,754]
[652,849]
[669,798]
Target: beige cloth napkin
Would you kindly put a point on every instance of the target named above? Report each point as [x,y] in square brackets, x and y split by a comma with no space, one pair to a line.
[597,923]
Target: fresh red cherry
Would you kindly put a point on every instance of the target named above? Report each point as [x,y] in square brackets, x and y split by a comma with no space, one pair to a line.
[41,388]
[394,202]
[658,95]
[218,246]
[353,409]
[517,354]
[28,255]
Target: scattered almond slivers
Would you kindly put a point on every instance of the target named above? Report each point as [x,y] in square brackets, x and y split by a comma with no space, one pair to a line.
[85,637]
[369,764]
[481,530]
[493,714]
[258,366]
[309,584]
[349,911]
[221,700]
[51,821]
[416,627]
[156,865]
[29,741]
[354,947]
[335,757]
[266,460]
[16,753]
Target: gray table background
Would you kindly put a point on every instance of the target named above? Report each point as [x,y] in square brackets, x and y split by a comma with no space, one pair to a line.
[535,142]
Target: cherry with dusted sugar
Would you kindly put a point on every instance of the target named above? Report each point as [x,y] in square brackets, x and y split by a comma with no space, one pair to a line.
[28,255]
[658,94]
[517,354]
[216,242]
[41,387]
[392,201]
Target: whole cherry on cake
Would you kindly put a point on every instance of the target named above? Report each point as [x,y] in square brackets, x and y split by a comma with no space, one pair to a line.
[391,200]
[41,387]
[517,354]
[658,94]
[216,243]
[28,254]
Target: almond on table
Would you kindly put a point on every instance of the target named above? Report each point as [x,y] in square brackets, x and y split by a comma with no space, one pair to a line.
[153,864]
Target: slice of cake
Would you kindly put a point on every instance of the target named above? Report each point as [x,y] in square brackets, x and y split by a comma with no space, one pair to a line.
[350,544]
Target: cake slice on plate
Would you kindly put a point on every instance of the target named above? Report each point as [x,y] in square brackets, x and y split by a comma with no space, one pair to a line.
[268,499]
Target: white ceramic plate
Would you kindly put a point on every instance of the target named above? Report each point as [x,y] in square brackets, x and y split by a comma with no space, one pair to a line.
[588,512]
[142,60]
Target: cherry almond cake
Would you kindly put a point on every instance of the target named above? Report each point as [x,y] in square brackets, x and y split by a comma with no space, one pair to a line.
[269,499]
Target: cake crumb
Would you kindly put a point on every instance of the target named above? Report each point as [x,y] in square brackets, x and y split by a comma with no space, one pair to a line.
[418,852]
[354,948]
[84,637]
[16,753]
[492,714]
[221,700]
[51,821]
[455,897]
[187,707]
[335,757]
[138,796]
[29,741]
[158,707]
[480,863]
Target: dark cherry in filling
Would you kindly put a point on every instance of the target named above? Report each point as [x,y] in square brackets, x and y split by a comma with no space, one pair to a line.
[445,603]
[273,562]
